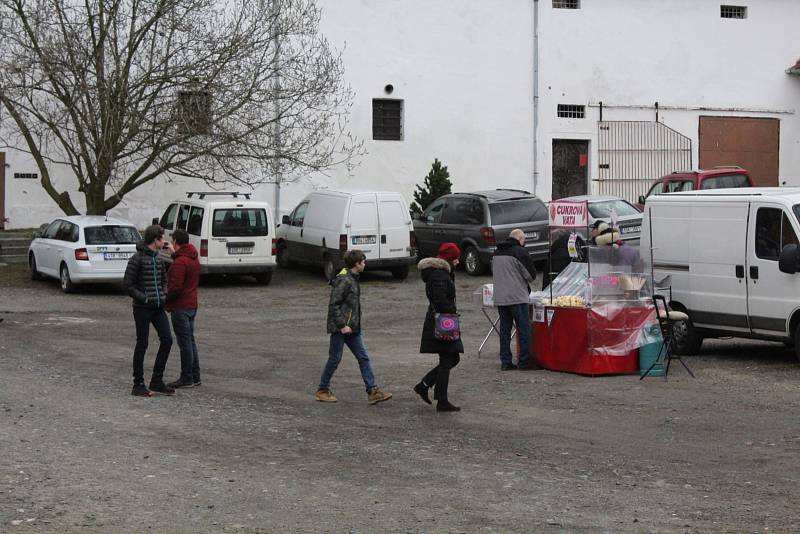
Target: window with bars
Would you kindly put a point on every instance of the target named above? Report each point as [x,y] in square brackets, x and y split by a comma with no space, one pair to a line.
[571,111]
[733,12]
[566,4]
[387,119]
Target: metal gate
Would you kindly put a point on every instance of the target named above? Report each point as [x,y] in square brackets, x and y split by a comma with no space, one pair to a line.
[632,154]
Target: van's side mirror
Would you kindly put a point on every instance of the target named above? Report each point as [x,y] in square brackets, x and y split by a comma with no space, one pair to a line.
[286,220]
[155,220]
[641,199]
[789,260]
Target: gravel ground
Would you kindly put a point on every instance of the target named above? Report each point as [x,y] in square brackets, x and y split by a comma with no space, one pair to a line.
[250,451]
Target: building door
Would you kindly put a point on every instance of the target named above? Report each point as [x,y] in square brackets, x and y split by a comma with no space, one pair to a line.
[752,143]
[570,168]
[2,190]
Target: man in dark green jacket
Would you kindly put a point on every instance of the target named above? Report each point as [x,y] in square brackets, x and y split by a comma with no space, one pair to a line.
[146,282]
[344,326]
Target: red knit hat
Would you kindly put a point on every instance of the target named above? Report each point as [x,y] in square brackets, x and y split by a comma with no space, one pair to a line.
[449,252]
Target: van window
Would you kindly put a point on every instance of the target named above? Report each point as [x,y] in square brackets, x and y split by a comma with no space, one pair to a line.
[724,181]
[518,211]
[183,217]
[364,215]
[392,214]
[434,211]
[111,235]
[239,222]
[773,232]
[686,185]
[299,214]
[463,210]
[195,221]
[168,219]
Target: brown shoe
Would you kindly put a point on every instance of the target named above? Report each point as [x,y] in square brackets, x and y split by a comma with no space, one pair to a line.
[375,396]
[325,395]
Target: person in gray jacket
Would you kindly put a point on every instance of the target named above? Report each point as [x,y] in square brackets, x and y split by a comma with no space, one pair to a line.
[513,270]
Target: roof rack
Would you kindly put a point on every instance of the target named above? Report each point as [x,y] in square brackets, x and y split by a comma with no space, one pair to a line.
[202,194]
[726,167]
[514,190]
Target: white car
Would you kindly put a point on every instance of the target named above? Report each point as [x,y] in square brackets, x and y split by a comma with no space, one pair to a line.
[83,249]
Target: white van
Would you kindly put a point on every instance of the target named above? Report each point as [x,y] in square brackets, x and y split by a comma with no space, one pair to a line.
[328,223]
[721,250]
[234,235]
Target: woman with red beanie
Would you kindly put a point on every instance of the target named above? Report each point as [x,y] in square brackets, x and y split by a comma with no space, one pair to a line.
[440,288]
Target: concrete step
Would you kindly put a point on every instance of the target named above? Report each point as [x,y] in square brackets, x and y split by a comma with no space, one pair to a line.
[10,249]
[13,258]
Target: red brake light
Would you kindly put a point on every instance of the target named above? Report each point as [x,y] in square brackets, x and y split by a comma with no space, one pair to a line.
[274,250]
[413,239]
[342,242]
[204,248]
[82,254]
[488,235]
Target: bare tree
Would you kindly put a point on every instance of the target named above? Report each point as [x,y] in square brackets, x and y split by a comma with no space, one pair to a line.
[124,92]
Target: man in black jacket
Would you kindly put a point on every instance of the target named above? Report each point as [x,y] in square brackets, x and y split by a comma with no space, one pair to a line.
[146,282]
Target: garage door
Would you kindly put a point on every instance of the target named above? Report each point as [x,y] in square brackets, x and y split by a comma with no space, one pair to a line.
[751,143]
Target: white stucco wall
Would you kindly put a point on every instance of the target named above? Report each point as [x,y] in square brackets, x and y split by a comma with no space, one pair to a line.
[681,54]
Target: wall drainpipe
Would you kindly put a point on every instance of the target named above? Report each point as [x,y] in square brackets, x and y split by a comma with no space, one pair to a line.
[535,96]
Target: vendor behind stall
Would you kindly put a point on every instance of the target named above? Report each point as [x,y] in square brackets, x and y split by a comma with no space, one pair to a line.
[566,248]
[614,251]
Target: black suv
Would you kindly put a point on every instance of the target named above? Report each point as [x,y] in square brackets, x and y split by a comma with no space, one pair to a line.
[477,221]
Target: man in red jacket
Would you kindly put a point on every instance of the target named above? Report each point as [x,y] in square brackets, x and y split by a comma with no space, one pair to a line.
[183,279]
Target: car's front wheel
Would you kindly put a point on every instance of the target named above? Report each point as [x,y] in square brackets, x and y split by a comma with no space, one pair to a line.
[685,339]
[400,273]
[472,262]
[66,282]
[35,274]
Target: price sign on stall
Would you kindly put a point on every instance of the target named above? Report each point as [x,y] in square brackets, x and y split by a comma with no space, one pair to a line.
[568,214]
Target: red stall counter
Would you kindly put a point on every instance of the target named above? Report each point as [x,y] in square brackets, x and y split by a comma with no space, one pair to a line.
[602,340]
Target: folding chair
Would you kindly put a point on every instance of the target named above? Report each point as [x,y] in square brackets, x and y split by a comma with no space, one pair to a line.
[666,321]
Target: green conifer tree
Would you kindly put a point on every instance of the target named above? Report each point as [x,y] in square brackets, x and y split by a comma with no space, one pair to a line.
[436,184]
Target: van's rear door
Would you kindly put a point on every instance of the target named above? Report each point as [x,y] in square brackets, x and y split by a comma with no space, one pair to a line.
[717,256]
[395,227]
[363,230]
[239,235]
[772,295]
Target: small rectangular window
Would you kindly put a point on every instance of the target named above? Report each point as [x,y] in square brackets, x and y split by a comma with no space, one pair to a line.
[566,4]
[387,119]
[195,224]
[733,12]
[570,111]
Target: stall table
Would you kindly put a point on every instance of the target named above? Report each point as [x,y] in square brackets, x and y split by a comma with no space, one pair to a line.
[591,341]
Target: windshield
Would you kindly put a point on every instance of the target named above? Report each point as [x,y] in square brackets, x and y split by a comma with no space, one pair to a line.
[111,235]
[239,222]
[602,210]
[517,211]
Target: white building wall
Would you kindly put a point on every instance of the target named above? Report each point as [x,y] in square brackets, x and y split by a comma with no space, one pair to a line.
[679,53]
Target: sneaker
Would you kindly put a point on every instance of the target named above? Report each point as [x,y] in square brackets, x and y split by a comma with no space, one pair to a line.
[508,367]
[181,383]
[325,395]
[375,396]
[161,387]
[141,391]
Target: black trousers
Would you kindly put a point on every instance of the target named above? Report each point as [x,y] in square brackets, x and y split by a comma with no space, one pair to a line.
[144,317]
[439,376]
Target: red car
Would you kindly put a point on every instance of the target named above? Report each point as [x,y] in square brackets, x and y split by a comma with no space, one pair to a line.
[716,178]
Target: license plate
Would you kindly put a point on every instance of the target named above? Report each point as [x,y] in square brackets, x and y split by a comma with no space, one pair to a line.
[240,250]
[364,240]
[117,255]
[631,229]
[532,235]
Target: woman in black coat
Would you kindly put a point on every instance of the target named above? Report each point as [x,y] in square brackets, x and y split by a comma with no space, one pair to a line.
[440,288]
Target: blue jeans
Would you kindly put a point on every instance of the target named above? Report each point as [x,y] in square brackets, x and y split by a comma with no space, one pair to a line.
[356,346]
[183,324]
[515,313]
[144,317]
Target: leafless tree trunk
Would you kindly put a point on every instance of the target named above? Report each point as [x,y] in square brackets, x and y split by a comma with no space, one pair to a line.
[129,91]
